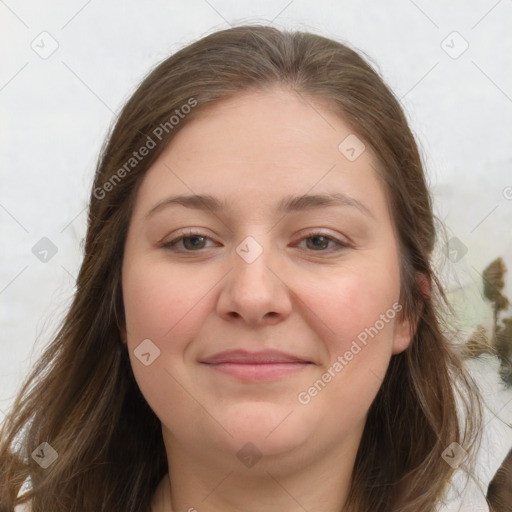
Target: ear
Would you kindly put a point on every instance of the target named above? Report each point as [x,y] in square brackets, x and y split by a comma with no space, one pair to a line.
[122,332]
[405,328]
[424,284]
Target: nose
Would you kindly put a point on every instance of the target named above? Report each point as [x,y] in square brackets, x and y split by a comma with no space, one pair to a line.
[255,291]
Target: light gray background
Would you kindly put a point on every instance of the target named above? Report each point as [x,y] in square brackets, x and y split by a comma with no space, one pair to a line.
[56,112]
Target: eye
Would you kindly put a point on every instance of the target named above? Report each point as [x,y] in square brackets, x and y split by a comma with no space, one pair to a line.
[193,241]
[321,241]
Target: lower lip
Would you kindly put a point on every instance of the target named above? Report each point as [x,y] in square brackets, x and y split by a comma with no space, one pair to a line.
[261,371]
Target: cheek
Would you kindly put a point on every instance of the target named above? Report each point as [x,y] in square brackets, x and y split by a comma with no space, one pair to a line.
[169,306]
[350,303]
[358,345]
[165,305]
[160,301]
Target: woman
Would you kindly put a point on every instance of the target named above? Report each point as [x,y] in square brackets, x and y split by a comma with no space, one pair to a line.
[214,358]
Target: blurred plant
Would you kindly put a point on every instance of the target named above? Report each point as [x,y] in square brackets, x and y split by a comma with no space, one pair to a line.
[500,342]
[493,285]
[499,492]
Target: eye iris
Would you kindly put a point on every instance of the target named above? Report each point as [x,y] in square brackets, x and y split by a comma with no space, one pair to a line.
[323,244]
[194,245]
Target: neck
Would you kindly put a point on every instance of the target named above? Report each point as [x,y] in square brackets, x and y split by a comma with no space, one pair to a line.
[214,484]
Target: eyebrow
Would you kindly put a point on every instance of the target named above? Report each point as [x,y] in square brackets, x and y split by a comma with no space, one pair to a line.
[287,204]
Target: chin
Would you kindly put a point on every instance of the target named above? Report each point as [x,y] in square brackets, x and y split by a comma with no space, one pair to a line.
[272,428]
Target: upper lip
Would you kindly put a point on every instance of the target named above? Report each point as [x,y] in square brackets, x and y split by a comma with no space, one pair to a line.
[247,357]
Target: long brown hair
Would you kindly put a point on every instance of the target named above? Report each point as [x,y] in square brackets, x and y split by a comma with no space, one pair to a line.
[81,396]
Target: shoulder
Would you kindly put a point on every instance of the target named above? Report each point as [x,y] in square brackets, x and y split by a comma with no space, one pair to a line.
[24,507]
[27,506]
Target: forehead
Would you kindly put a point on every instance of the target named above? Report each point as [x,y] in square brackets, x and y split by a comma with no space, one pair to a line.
[276,124]
[264,145]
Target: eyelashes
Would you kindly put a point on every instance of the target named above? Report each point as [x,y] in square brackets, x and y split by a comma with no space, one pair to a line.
[197,238]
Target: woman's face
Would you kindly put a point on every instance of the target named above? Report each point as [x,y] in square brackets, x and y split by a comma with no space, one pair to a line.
[273,264]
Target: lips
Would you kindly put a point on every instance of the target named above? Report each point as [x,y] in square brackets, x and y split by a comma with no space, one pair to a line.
[254,367]
[253,358]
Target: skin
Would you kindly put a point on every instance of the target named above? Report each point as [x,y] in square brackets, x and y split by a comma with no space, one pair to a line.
[300,296]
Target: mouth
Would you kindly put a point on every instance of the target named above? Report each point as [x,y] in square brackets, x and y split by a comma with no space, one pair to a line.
[256,366]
